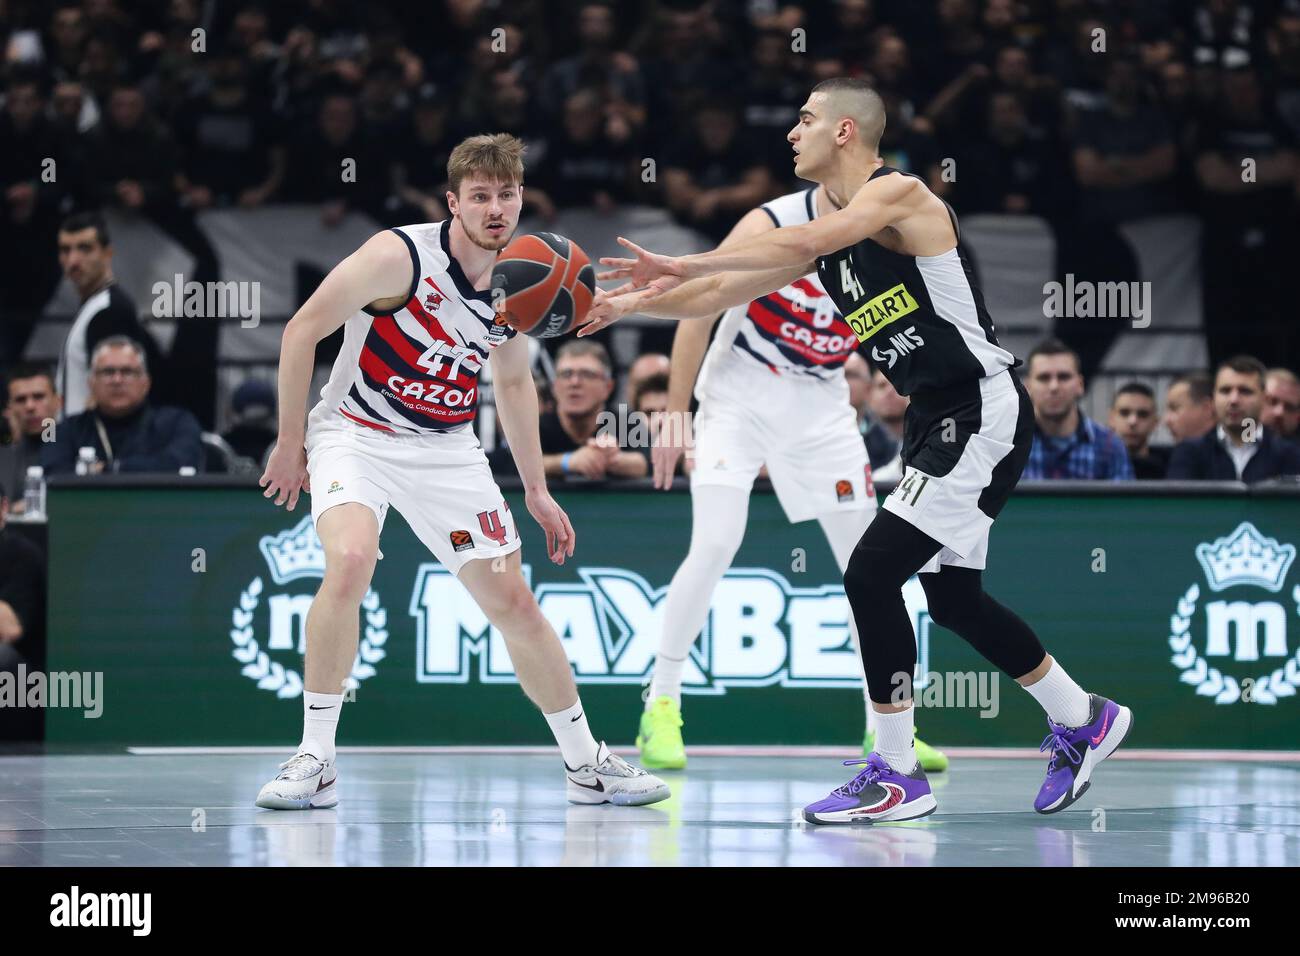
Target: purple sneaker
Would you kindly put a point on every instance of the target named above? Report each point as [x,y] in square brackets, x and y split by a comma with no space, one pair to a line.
[878,793]
[1074,752]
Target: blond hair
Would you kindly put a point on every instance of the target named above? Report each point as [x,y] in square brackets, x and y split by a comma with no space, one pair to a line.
[498,157]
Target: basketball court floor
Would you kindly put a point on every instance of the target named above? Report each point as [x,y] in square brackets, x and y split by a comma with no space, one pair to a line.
[405,807]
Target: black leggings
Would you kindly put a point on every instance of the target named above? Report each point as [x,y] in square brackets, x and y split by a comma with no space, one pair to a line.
[890,552]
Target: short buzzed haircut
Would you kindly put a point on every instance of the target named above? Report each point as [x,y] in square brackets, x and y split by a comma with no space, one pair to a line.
[26,370]
[857,100]
[1244,365]
[87,220]
[1200,386]
[1053,347]
[1133,388]
[580,347]
[1285,374]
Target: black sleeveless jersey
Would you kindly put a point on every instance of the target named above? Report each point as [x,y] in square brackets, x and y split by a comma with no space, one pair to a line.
[921,319]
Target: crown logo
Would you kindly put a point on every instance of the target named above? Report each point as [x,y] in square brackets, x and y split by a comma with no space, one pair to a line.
[296,553]
[1245,557]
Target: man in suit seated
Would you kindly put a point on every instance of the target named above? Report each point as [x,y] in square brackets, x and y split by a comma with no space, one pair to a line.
[127,433]
[1239,447]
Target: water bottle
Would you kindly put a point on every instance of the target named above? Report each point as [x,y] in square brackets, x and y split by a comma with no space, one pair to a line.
[34,492]
[85,460]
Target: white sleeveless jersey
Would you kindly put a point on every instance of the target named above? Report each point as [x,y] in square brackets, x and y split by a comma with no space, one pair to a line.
[794,331]
[414,369]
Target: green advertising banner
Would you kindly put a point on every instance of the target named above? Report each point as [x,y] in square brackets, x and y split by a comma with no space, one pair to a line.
[191,603]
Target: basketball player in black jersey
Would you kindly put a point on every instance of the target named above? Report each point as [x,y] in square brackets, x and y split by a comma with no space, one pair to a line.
[889,258]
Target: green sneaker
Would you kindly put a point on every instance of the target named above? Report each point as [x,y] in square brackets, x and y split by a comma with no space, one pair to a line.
[660,736]
[931,760]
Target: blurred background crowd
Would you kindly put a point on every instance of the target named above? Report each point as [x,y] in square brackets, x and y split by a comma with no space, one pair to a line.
[1086,115]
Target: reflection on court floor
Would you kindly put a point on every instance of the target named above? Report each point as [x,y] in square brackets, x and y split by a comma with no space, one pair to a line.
[509,810]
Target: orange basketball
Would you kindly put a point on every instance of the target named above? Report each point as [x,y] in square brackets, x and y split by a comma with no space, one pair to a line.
[543,284]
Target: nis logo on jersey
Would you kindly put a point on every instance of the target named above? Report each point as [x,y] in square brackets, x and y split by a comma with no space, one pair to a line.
[872,316]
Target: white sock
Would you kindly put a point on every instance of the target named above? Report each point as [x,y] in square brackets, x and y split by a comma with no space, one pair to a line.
[895,740]
[1065,702]
[718,515]
[843,532]
[320,719]
[667,680]
[573,735]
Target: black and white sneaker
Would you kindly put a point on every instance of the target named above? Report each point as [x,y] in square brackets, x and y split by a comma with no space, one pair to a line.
[611,779]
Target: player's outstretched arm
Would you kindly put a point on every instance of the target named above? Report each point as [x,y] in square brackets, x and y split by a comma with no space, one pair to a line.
[699,298]
[378,273]
[516,398]
[877,204]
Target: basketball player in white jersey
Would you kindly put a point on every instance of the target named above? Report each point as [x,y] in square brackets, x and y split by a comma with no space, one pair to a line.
[771,391]
[393,429]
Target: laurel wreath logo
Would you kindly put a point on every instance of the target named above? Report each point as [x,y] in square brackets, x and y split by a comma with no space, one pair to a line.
[1209,681]
[286,682]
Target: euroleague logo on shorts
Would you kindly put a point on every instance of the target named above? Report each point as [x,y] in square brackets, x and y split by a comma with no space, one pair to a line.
[293,555]
[1240,630]
[843,490]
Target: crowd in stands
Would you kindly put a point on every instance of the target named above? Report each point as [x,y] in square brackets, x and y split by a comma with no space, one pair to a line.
[1087,114]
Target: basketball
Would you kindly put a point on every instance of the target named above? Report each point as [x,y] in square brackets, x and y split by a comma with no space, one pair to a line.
[543,284]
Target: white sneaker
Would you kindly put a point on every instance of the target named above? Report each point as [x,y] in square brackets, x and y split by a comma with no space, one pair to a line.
[305,782]
[611,779]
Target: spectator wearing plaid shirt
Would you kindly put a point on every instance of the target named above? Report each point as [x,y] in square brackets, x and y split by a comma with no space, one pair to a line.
[1068,444]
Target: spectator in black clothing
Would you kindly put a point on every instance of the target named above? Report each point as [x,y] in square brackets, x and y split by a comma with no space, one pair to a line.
[1124,152]
[1012,169]
[1189,406]
[954,69]
[583,166]
[22,594]
[86,257]
[599,65]
[383,104]
[1284,47]
[127,433]
[713,174]
[1013,72]
[253,427]
[32,408]
[419,166]
[227,139]
[1282,403]
[571,445]
[35,167]
[1239,448]
[1133,418]
[333,148]
[1247,164]
[688,56]
[65,42]
[774,91]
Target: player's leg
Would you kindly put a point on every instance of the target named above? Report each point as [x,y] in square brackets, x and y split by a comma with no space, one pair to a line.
[349,535]
[718,516]
[1085,728]
[843,530]
[594,774]
[891,785]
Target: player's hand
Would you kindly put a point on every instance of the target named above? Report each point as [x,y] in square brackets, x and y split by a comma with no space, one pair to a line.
[286,474]
[560,538]
[645,269]
[606,309]
[669,446]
